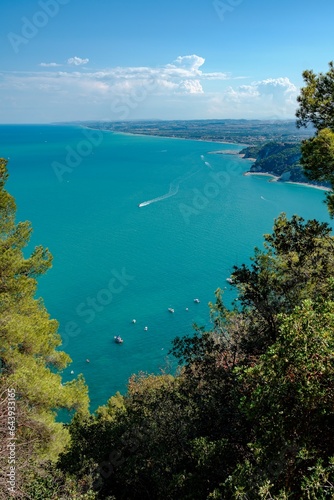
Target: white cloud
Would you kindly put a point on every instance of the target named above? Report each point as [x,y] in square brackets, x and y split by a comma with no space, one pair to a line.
[49,65]
[276,86]
[272,97]
[77,61]
[179,89]
[183,76]
[215,76]
[188,66]
[191,63]
[191,87]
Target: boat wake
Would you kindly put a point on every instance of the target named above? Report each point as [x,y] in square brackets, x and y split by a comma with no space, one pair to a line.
[173,190]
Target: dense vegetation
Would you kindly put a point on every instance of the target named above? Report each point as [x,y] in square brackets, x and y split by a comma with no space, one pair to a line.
[249,415]
[30,363]
[316,110]
[280,159]
[284,160]
[311,160]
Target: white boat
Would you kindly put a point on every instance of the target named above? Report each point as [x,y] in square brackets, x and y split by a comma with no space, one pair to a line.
[134,321]
[197,301]
[118,339]
[230,281]
[171,310]
[145,328]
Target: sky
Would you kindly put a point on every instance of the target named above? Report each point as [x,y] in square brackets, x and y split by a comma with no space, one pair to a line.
[77,60]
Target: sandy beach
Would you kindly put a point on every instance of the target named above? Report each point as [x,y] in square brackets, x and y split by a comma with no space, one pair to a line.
[263,174]
[274,178]
[322,188]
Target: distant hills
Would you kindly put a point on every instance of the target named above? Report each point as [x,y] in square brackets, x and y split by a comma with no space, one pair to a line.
[247,132]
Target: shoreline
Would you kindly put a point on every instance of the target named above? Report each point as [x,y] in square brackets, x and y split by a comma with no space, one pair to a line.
[263,174]
[241,145]
[276,179]
[305,184]
[177,138]
[229,151]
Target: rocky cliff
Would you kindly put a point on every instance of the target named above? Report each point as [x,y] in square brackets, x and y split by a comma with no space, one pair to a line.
[280,159]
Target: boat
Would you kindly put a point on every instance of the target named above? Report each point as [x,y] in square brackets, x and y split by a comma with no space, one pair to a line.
[197,301]
[118,339]
[171,310]
[230,281]
[133,321]
[145,328]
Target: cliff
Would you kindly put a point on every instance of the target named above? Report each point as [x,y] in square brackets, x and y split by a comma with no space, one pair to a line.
[279,159]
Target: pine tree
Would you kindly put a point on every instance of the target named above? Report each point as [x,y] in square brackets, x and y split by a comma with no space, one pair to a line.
[30,361]
[316,107]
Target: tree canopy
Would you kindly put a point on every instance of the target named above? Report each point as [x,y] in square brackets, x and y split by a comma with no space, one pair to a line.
[316,107]
[250,414]
[30,360]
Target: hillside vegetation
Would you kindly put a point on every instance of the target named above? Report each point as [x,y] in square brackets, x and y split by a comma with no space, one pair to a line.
[250,415]
[250,412]
[280,159]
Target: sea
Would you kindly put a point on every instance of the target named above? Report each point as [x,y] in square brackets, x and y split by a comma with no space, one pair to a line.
[137,225]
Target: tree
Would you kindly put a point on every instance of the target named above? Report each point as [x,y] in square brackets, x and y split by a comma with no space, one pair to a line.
[30,361]
[288,399]
[316,107]
[250,413]
[316,100]
[298,258]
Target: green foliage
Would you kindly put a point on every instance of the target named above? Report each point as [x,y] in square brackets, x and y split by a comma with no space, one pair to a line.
[111,411]
[284,161]
[250,415]
[52,484]
[276,158]
[29,357]
[297,260]
[289,397]
[318,155]
[316,106]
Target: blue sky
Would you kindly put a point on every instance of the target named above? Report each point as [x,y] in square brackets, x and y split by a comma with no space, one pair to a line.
[65,60]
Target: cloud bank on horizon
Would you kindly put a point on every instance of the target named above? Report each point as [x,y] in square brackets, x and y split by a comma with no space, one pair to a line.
[176,90]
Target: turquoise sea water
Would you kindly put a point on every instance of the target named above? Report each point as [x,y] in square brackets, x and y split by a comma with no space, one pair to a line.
[115,261]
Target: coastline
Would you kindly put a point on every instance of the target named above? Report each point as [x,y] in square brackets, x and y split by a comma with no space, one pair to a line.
[230,151]
[212,141]
[274,178]
[305,184]
[209,141]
